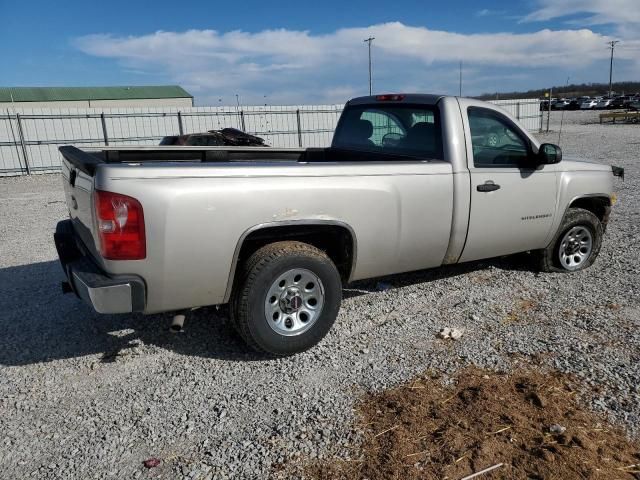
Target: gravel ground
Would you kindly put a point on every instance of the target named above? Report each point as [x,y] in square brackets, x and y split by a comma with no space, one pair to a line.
[89,396]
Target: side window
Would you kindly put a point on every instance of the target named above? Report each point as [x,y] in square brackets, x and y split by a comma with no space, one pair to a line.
[496,142]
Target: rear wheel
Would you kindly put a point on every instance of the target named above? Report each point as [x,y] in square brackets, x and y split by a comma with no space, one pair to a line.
[287,298]
[576,245]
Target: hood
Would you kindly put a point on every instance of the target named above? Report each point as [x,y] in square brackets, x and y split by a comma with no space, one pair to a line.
[574,163]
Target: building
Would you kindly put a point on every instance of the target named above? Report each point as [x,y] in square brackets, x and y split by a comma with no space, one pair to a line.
[95,97]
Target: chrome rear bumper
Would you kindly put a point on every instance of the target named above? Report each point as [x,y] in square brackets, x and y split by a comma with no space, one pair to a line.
[105,293]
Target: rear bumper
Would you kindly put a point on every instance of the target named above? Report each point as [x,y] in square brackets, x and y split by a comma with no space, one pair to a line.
[105,293]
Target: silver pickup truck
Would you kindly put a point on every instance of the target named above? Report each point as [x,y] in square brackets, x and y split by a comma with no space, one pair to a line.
[410,182]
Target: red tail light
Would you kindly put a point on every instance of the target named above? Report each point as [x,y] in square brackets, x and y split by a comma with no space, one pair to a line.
[120,226]
[390,97]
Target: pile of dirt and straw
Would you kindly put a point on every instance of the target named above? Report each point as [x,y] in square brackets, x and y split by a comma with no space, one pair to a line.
[529,422]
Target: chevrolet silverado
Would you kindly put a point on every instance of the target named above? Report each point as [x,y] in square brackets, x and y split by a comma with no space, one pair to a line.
[409,182]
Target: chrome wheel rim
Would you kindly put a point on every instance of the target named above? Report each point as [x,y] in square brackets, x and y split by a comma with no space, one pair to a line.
[294,302]
[575,247]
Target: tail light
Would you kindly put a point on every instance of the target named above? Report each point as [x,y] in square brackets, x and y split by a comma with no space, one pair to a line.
[390,97]
[120,226]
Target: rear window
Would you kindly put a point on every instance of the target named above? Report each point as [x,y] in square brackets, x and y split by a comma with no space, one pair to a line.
[397,130]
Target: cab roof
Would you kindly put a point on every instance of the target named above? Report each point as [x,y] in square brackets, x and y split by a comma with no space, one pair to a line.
[399,98]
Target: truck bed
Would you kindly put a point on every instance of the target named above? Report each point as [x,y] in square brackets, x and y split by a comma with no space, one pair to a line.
[88,160]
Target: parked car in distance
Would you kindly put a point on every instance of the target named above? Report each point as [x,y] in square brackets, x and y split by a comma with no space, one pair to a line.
[634,106]
[544,103]
[574,104]
[589,104]
[215,138]
[560,104]
[618,102]
[604,103]
[409,182]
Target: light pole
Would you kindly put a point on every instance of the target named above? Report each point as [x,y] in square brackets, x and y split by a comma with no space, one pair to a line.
[368,41]
[612,46]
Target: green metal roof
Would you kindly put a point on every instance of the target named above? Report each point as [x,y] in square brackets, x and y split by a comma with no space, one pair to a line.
[65,94]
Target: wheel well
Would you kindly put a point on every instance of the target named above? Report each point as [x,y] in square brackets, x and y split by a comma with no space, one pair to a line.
[599,206]
[336,241]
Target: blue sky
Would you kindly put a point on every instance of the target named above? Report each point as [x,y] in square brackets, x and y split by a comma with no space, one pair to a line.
[312,52]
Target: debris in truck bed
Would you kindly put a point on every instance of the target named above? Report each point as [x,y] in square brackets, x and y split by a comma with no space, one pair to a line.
[225,137]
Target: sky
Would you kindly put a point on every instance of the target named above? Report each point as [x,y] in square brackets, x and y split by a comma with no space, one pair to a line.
[274,52]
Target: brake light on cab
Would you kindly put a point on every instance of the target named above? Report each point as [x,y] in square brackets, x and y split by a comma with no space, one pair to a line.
[120,221]
[390,97]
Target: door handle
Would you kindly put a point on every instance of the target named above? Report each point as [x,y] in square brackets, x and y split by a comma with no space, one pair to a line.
[488,186]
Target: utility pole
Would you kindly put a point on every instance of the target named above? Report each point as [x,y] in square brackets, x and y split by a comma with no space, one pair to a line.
[549,108]
[562,115]
[460,81]
[612,46]
[368,41]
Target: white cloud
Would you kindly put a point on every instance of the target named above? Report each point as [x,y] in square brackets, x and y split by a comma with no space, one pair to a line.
[485,12]
[592,12]
[294,65]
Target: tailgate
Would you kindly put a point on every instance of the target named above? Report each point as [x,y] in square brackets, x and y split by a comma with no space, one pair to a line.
[78,169]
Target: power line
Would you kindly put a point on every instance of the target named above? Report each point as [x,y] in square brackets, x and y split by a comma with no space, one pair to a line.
[368,41]
[612,45]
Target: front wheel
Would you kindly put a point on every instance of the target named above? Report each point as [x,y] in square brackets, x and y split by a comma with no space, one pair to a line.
[287,298]
[576,245]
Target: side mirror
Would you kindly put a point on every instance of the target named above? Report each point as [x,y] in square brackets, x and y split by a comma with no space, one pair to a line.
[549,153]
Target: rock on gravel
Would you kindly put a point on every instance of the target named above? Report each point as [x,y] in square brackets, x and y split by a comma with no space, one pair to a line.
[450,333]
[89,396]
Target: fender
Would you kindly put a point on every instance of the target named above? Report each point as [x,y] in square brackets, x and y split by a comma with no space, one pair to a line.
[558,221]
[286,223]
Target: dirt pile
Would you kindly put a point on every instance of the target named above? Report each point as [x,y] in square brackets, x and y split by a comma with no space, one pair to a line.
[529,421]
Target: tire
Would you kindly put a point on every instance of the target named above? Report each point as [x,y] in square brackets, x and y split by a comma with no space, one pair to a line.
[571,243]
[307,290]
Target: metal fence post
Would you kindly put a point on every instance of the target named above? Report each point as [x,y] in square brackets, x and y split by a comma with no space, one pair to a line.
[518,111]
[104,129]
[299,128]
[180,129]
[541,118]
[244,128]
[23,145]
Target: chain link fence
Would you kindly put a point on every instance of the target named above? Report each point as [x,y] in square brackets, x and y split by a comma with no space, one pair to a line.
[29,138]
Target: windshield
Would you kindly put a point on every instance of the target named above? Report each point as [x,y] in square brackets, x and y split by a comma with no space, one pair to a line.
[403,130]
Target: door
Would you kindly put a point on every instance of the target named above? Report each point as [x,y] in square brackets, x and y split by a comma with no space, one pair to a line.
[513,201]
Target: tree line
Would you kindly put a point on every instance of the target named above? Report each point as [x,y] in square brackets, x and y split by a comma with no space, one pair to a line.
[572,90]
